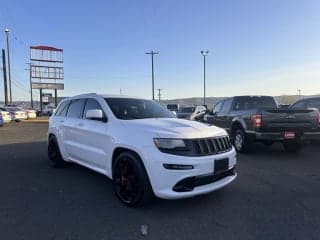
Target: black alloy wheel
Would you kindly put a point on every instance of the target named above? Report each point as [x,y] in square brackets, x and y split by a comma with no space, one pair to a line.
[130,179]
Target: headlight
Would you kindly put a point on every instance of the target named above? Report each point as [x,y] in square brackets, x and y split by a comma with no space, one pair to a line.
[167,143]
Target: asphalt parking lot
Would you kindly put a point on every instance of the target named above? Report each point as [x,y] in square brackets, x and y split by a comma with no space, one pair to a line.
[276,196]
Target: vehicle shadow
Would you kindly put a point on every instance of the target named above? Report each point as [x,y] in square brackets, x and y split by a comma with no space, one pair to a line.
[276,149]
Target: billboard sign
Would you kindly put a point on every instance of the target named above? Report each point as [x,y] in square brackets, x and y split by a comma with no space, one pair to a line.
[58,86]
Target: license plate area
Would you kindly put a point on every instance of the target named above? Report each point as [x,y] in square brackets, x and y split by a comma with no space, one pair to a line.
[221,165]
[289,135]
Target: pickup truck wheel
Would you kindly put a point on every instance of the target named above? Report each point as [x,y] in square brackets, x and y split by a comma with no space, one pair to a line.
[292,146]
[54,154]
[131,182]
[240,141]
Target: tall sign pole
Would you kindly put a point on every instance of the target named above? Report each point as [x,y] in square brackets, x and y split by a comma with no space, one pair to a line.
[5,77]
[152,69]
[7,31]
[31,93]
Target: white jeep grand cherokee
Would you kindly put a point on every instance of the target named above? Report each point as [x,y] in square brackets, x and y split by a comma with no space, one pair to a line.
[142,146]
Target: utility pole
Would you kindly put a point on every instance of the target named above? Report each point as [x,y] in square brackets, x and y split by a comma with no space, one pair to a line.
[120,91]
[5,77]
[7,31]
[204,53]
[152,70]
[159,93]
[299,93]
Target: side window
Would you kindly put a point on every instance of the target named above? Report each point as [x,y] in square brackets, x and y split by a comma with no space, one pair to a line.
[90,105]
[301,104]
[226,106]
[242,103]
[62,109]
[75,109]
[217,107]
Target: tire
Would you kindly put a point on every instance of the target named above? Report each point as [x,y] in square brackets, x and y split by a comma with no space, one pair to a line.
[292,146]
[240,141]
[54,154]
[130,180]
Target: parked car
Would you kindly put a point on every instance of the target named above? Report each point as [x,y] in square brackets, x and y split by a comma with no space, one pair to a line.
[191,113]
[1,121]
[257,118]
[17,113]
[31,113]
[307,103]
[6,116]
[141,146]
[48,110]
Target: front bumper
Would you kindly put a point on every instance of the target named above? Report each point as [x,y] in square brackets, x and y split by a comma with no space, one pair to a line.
[279,136]
[163,181]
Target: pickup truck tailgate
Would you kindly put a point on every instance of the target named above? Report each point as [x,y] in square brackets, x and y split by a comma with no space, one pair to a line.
[289,120]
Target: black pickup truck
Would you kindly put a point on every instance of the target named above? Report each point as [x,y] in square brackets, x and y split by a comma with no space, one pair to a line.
[258,118]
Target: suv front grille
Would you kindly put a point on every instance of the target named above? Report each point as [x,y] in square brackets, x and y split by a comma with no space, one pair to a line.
[203,147]
[210,146]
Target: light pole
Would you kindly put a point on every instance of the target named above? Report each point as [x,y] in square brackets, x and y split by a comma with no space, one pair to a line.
[204,53]
[152,69]
[7,31]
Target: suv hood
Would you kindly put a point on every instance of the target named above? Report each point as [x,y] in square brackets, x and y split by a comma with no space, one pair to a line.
[173,128]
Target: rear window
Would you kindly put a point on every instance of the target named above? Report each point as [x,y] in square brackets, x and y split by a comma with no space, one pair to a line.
[172,107]
[299,105]
[254,102]
[314,103]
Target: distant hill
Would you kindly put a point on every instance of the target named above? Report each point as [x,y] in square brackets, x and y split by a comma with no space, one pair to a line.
[210,101]
[192,101]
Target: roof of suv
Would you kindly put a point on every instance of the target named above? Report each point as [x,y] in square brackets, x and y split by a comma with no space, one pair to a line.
[103,95]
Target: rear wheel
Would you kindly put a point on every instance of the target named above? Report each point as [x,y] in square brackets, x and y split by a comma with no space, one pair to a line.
[130,179]
[240,141]
[292,146]
[54,154]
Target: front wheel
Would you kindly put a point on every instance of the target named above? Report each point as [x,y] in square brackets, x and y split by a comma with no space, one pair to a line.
[292,146]
[130,179]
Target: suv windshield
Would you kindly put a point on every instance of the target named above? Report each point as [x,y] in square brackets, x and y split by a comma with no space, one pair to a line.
[187,110]
[131,108]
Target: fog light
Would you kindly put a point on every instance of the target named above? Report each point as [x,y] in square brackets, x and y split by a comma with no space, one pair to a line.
[177,166]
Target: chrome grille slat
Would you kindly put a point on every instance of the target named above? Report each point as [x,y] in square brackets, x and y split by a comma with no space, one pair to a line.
[210,146]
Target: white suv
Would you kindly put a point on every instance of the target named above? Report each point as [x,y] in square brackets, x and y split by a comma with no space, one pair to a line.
[142,146]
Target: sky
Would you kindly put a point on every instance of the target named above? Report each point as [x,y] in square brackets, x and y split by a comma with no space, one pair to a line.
[255,46]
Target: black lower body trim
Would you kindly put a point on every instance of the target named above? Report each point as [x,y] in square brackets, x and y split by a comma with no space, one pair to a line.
[188,184]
